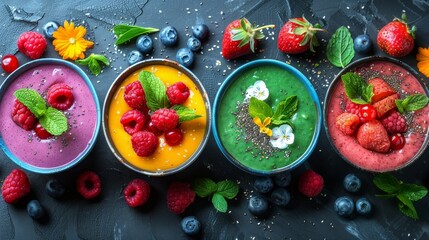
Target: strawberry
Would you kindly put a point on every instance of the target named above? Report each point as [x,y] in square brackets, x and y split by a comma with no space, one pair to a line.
[380,88]
[385,105]
[297,36]
[347,123]
[373,136]
[396,38]
[241,38]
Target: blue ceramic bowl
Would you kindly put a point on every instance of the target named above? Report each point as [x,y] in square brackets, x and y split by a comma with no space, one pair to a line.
[313,102]
[66,139]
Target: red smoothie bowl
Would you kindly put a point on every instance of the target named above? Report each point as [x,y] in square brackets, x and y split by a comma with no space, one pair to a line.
[353,147]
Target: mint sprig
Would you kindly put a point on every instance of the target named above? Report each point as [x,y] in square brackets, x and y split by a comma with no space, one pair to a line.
[340,50]
[127,32]
[412,103]
[406,193]
[185,113]
[155,91]
[357,90]
[259,108]
[217,192]
[93,62]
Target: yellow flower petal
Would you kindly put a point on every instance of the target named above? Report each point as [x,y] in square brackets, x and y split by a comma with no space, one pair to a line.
[257,121]
[69,41]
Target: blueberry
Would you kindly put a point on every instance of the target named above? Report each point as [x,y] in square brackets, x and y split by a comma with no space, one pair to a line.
[191,225]
[185,57]
[280,197]
[35,209]
[193,44]
[344,206]
[352,183]
[144,44]
[257,205]
[55,189]
[263,184]
[49,28]
[134,56]
[200,31]
[282,179]
[363,206]
[363,44]
[168,36]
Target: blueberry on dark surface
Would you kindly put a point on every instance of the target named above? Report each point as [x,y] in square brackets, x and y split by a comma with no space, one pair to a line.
[35,209]
[352,183]
[263,184]
[169,36]
[282,179]
[200,31]
[257,205]
[134,57]
[363,206]
[191,225]
[144,44]
[49,28]
[362,44]
[280,197]
[185,57]
[344,206]
[193,44]
[55,189]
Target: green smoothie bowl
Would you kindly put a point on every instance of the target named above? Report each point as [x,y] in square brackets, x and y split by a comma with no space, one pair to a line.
[266,117]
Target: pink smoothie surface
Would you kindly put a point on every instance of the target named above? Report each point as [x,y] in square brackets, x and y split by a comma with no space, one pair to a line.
[405,84]
[81,117]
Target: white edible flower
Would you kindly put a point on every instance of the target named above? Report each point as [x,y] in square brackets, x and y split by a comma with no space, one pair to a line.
[282,136]
[258,90]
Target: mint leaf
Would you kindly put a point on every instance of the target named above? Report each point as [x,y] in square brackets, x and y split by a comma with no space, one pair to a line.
[387,182]
[258,108]
[128,32]
[340,51]
[92,61]
[204,187]
[155,91]
[54,121]
[285,110]
[357,90]
[31,99]
[185,113]
[228,189]
[407,207]
[219,202]
[412,103]
[413,192]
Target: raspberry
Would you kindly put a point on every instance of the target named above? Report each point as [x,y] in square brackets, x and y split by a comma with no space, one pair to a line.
[135,97]
[88,184]
[347,123]
[177,93]
[41,132]
[60,96]
[352,107]
[179,196]
[394,122]
[310,183]
[137,192]
[144,143]
[32,44]
[165,119]
[15,186]
[133,121]
[22,116]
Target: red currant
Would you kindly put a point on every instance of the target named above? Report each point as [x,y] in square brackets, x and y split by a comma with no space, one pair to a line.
[367,113]
[151,128]
[397,141]
[9,63]
[41,132]
[173,137]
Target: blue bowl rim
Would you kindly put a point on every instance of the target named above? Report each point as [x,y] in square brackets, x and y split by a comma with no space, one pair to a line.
[34,63]
[301,77]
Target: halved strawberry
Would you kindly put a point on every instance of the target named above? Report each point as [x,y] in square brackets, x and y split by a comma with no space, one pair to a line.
[381,89]
[347,123]
[373,136]
[385,105]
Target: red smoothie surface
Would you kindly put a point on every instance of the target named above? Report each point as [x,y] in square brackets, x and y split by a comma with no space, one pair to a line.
[405,84]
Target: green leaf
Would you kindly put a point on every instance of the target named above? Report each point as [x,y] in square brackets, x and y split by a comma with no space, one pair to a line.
[54,121]
[387,182]
[407,207]
[228,189]
[357,90]
[128,32]
[94,67]
[413,192]
[340,51]
[219,202]
[258,108]
[185,113]
[412,103]
[92,61]
[204,187]
[101,58]
[285,110]
[31,99]
[155,91]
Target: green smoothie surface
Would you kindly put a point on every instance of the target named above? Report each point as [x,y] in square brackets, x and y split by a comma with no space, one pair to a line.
[281,84]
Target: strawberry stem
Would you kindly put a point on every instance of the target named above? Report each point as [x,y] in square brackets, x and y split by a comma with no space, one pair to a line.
[264,27]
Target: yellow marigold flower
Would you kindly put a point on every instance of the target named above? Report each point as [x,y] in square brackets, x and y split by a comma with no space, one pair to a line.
[263,125]
[423,61]
[69,41]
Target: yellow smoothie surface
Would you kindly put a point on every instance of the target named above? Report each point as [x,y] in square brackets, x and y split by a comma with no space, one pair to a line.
[165,157]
